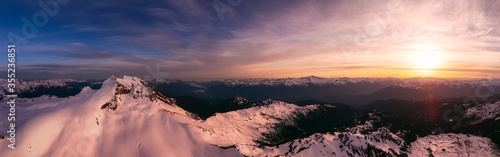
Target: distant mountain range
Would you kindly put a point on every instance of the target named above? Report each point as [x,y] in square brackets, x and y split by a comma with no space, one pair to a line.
[352,91]
[52,87]
[130,117]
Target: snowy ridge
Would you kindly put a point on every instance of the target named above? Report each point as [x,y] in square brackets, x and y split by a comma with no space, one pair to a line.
[153,81]
[415,83]
[242,127]
[127,117]
[138,90]
[381,142]
[419,82]
[240,100]
[303,81]
[483,112]
[453,145]
[300,81]
[31,85]
[77,126]
[375,143]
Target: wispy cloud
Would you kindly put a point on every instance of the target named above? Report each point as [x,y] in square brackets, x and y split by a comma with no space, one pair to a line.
[296,38]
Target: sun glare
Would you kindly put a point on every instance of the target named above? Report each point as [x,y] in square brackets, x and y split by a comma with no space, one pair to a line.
[426,60]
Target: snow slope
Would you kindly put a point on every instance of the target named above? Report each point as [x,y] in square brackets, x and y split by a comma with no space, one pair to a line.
[141,125]
[483,112]
[240,128]
[339,144]
[127,117]
[453,145]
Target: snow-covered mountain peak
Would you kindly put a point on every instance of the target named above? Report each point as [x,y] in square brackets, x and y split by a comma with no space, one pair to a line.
[133,89]
[128,117]
[142,123]
[239,100]
[132,85]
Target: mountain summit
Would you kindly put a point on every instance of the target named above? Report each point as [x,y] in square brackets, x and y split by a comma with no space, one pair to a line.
[139,121]
[128,117]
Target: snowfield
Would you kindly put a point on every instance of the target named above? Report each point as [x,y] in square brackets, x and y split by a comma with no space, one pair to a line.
[453,145]
[77,126]
[483,112]
[127,117]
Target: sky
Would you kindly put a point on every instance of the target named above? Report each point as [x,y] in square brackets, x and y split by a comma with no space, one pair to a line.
[208,40]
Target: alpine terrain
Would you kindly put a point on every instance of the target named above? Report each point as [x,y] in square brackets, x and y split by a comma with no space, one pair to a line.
[129,117]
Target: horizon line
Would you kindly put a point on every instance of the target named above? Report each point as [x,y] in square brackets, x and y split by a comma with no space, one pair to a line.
[247,78]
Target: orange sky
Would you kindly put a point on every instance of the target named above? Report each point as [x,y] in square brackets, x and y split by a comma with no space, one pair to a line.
[337,38]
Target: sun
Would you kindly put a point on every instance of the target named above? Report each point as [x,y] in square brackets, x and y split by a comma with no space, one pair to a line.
[426,60]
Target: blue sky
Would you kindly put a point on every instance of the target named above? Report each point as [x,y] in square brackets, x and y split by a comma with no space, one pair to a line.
[187,39]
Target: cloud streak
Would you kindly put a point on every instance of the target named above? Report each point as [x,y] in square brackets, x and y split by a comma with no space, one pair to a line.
[276,39]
